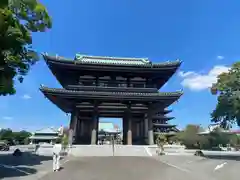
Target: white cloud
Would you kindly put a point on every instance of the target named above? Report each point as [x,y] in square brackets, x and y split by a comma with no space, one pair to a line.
[220,57]
[197,81]
[7,118]
[26,96]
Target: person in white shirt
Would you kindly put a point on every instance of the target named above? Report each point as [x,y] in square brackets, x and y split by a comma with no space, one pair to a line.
[57,148]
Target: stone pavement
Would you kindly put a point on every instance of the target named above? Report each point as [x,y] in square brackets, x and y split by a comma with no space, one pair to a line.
[117,168]
[147,168]
[204,168]
[106,168]
[28,166]
[107,150]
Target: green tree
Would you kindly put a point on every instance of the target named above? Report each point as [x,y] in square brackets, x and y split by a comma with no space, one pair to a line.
[190,138]
[235,140]
[217,137]
[14,137]
[18,19]
[227,89]
[21,136]
[65,141]
[6,134]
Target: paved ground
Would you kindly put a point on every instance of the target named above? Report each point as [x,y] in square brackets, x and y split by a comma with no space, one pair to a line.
[204,168]
[127,168]
[29,166]
[147,168]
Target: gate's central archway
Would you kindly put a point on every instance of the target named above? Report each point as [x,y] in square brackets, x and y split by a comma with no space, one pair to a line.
[110,129]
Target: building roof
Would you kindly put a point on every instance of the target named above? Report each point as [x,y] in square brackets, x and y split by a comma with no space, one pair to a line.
[46,131]
[63,98]
[106,60]
[166,133]
[159,73]
[236,131]
[111,60]
[105,125]
[114,93]
[162,117]
[36,137]
[163,125]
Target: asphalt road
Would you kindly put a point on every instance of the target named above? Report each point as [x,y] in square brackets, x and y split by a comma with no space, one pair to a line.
[127,168]
[147,168]
[117,168]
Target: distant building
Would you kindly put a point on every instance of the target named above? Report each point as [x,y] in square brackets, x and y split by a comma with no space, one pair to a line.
[236,131]
[212,127]
[106,129]
[47,135]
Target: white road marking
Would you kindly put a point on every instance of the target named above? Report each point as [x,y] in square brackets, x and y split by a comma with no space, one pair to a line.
[219,166]
[66,161]
[147,150]
[177,167]
[15,168]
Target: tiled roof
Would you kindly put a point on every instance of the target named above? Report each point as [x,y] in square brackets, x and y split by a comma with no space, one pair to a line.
[104,60]
[46,131]
[110,60]
[166,133]
[43,137]
[105,125]
[61,90]
[162,117]
[163,125]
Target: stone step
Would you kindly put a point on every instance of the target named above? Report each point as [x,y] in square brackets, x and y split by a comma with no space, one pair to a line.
[107,150]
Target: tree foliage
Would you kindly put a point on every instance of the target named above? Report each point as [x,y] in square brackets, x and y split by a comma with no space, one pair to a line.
[189,137]
[18,18]
[192,140]
[14,137]
[227,89]
[217,137]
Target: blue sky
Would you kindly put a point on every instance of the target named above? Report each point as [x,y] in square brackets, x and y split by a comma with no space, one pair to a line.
[204,34]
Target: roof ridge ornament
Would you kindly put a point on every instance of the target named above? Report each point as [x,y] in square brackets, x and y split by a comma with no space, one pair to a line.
[78,56]
[44,53]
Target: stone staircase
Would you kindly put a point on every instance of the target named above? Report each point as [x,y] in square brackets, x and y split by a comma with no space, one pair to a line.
[107,150]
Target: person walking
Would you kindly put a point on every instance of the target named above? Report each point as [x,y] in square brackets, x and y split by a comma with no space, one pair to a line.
[57,148]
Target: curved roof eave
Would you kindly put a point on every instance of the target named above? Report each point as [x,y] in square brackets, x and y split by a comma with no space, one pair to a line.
[64,61]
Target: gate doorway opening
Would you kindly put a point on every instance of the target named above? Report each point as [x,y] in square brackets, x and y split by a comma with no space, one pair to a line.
[110,130]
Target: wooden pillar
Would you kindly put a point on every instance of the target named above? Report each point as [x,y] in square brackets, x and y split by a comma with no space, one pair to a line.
[94,126]
[138,129]
[129,123]
[77,132]
[150,129]
[129,133]
[81,127]
[124,130]
[73,127]
[146,128]
[97,81]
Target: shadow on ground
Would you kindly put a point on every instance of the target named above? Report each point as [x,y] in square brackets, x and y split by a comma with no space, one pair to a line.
[223,157]
[12,166]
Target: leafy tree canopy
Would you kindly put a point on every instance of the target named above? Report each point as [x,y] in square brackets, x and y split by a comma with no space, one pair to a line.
[217,136]
[189,137]
[227,89]
[9,135]
[18,18]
